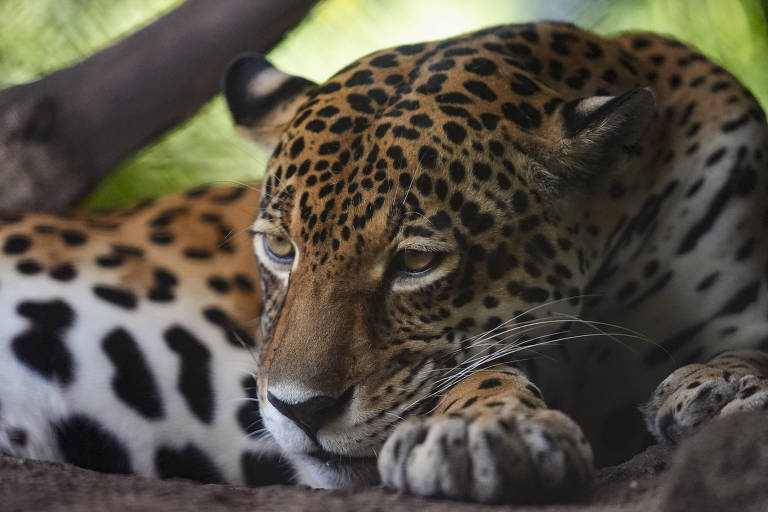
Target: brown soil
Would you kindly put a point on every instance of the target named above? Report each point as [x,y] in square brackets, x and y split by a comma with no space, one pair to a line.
[723,467]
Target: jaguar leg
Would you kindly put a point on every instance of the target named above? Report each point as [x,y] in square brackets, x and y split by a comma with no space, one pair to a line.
[491,439]
[733,381]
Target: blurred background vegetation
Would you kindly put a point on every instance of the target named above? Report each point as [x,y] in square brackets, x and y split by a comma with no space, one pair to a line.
[39,36]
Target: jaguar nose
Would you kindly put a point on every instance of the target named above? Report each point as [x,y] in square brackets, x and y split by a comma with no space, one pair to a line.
[310,415]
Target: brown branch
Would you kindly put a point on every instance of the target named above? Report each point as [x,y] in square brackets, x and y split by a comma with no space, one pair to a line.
[61,135]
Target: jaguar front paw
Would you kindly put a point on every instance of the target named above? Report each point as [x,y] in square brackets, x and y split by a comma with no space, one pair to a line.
[696,393]
[489,454]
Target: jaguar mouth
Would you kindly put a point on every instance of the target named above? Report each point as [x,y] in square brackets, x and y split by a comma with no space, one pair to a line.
[331,458]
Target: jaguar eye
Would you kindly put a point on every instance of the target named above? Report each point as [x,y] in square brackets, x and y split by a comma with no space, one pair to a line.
[278,248]
[418,262]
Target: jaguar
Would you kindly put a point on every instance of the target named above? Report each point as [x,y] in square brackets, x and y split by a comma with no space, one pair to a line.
[483,266]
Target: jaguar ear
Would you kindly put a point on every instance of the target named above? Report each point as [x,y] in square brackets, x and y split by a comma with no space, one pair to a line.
[261,98]
[600,132]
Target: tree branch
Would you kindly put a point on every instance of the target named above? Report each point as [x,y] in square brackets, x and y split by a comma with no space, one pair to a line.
[61,135]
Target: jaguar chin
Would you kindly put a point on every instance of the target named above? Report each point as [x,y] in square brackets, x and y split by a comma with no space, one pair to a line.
[334,471]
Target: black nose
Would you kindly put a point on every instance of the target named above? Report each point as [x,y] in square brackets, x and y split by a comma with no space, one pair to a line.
[312,414]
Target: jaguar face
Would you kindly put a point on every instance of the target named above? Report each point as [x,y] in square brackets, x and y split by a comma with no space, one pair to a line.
[419,218]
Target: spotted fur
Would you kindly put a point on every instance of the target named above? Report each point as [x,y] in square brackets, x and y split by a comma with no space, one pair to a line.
[590,215]
[127,340]
[558,176]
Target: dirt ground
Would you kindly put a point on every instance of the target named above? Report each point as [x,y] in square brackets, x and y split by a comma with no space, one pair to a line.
[723,467]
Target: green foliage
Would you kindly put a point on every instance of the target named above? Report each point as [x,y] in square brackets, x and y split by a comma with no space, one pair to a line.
[42,35]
